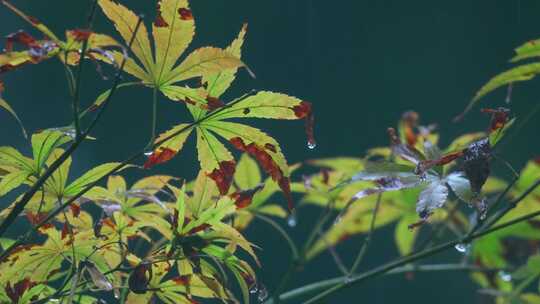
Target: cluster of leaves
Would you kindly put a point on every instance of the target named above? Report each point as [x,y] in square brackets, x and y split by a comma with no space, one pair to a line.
[161,238]
[166,239]
[430,185]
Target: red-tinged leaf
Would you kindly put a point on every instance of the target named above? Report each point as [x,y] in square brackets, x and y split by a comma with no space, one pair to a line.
[223,176]
[160,22]
[409,121]
[182,280]
[22,38]
[285,185]
[159,156]
[16,291]
[425,165]
[499,118]
[214,103]
[243,199]
[185,13]
[268,164]
[75,209]
[302,110]
[35,218]
[81,35]
[138,280]
[108,222]
[65,230]
[309,122]
[198,228]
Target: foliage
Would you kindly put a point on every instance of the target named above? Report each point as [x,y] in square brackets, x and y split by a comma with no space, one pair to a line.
[168,239]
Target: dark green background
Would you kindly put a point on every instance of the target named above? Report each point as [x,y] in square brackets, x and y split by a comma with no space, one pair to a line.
[361,64]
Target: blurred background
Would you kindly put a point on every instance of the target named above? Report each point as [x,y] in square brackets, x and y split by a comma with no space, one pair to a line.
[361,64]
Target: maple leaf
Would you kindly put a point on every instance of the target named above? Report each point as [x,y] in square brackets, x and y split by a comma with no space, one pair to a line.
[215,159]
[140,203]
[172,32]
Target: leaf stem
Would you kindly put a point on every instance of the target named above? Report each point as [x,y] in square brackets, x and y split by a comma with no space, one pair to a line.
[154,118]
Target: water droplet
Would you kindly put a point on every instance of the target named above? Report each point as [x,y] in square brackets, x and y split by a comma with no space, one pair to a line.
[462,247]
[254,288]
[338,219]
[291,220]
[311,145]
[348,279]
[505,276]
[70,133]
[483,216]
[263,293]
[148,153]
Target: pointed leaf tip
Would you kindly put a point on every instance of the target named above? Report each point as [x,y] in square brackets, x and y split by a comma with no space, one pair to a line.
[159,156]
[223,176]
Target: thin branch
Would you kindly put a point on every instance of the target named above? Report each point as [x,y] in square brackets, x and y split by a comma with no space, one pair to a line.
[367,240]
[385,268]
[295,264]
[290,242]
[333,252]
[497,216]
[19,206]
[154,118]
[77,90]
[314,287]
[432,251]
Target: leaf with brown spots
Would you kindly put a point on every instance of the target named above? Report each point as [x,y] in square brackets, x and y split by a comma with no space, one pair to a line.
[216,161]
[172,32]
[243,198]
[158,156]
[257,143]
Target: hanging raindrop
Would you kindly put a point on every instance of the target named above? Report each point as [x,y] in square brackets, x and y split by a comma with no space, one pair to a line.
[148,153]
[462,247]
[291,220]
[311,145]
